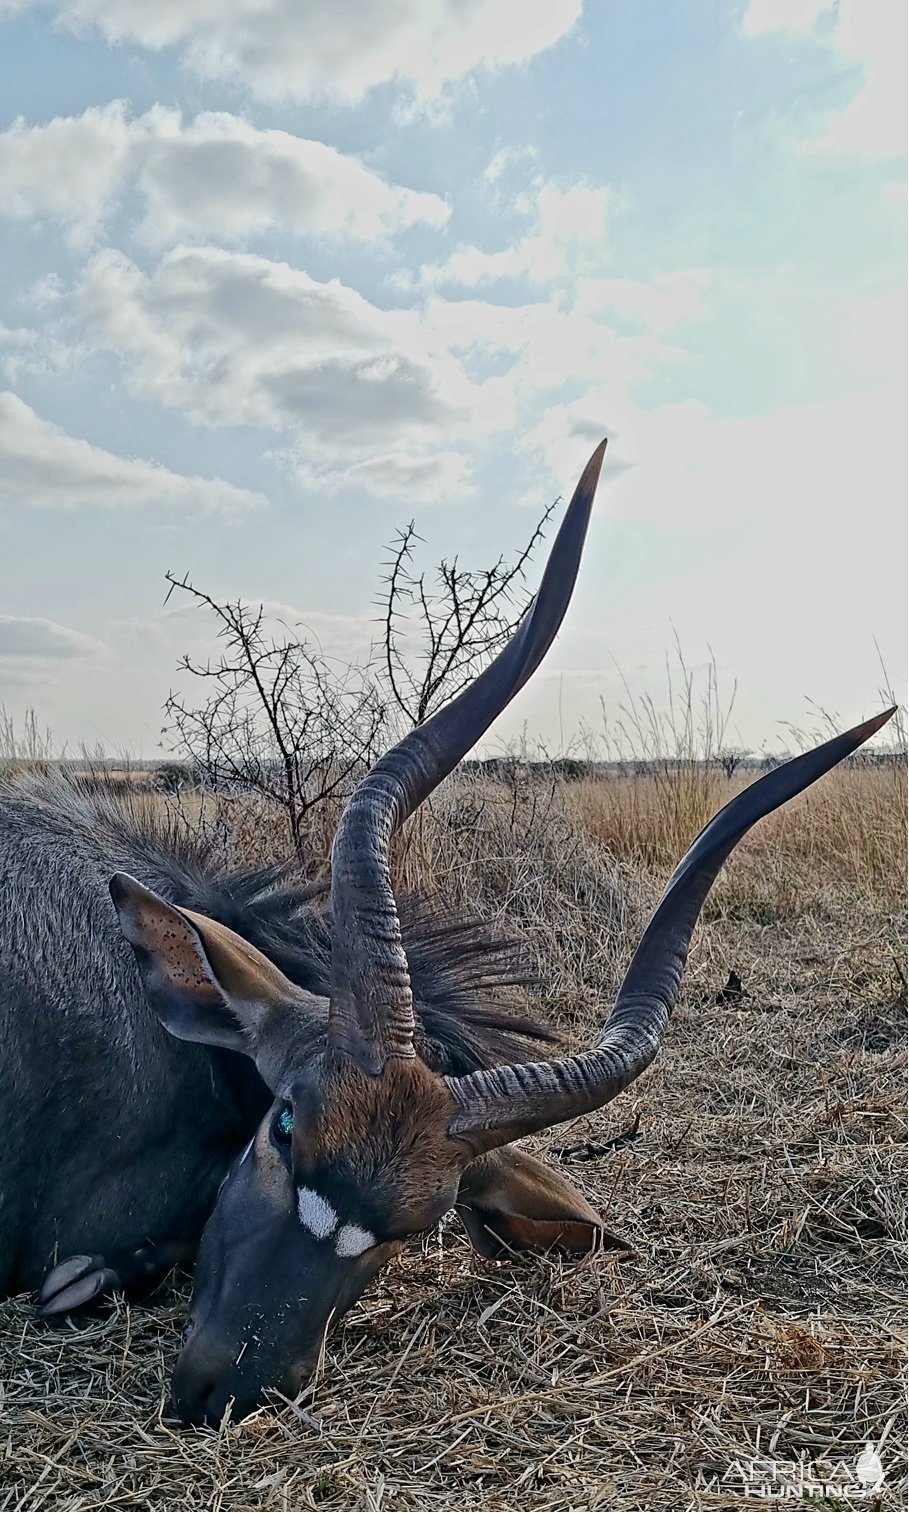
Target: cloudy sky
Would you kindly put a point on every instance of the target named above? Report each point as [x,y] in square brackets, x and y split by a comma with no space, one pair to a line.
[277,277]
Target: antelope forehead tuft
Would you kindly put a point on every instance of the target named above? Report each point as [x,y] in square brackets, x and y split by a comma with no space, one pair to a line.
[316,1213]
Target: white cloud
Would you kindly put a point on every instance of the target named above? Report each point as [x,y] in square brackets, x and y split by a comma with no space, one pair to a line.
[44,293]
[215,176]
[551,347]
[234,339]
[584,328]
[719,464]
[40,349]
[792,479]
[567,237]
[503,160]
[867,33]
[567,432]
[66,171]
[800,16]
[37,640]
[421,479]
[659,304]
[373,399]
[42,467]
[332,49]
[221,177]
[386,401]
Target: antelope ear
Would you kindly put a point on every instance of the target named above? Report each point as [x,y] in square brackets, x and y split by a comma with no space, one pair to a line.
[206,983]
[511,1202]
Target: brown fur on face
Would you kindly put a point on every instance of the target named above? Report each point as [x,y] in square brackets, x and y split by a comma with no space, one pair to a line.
[382,1141]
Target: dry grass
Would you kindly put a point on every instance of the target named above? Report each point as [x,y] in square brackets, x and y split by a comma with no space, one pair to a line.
[760,1316]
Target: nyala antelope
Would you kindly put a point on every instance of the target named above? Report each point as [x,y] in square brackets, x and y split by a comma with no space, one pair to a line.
[209,1066]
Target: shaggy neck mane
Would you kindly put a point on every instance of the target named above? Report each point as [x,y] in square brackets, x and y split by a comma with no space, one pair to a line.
[466,977]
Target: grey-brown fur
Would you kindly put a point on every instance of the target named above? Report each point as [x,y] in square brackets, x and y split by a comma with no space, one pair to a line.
[114,1133]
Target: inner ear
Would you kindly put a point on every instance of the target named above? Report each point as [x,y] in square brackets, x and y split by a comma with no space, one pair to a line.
[207,984]
[511,1202]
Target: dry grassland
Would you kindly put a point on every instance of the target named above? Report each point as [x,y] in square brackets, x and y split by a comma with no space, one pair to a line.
[760,1314]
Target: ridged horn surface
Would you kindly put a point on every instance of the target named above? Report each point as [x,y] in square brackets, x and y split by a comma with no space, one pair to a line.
[371,1013]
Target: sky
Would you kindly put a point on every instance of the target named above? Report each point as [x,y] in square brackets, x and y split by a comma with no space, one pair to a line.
[277,279]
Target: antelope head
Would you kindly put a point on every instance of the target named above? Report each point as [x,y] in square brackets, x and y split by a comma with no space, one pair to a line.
[364,1144]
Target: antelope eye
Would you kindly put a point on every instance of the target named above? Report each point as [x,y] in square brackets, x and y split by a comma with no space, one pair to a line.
[282,1126]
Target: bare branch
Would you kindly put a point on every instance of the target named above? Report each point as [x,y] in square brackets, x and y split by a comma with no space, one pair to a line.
[278,721]
[462,621]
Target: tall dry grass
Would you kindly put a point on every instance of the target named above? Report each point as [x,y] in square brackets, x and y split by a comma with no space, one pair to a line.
[849,830]
[574,867]
[507,845]
[24,746]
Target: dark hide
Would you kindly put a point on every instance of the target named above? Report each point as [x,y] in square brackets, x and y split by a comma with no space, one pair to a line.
[114,1133]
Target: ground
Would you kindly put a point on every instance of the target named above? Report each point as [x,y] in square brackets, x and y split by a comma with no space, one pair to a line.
[755,1332]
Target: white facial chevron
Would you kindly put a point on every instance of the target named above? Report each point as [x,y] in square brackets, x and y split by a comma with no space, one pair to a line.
[317,1215]
[353,1239]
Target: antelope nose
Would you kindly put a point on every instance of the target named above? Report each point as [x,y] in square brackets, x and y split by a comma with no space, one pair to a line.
[192,1395]
[200,1389]
[191,1406]
[207,1382]
[209,1378]
[207,1404]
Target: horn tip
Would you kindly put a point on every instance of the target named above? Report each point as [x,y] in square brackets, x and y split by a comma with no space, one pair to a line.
[876,723]
[591,474]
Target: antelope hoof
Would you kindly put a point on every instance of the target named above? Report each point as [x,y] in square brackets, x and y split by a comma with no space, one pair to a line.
[77,1282]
